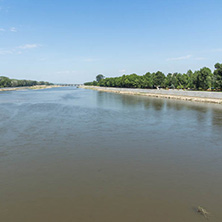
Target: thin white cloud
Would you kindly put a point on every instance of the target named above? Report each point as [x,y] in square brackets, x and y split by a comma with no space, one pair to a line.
[28,46]
[18,50]
[13,29]
[10,52]
[179,58]
[2,30]
[122,71]
[3,9]
[6,52]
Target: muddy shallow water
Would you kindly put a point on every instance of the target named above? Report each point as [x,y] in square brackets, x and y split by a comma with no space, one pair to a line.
[70,154]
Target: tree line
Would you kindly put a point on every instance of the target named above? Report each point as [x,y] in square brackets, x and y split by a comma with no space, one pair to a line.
[203,79]
[7,82]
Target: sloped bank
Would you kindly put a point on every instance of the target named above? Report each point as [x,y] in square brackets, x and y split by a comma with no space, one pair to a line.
[29,87]
[197,96]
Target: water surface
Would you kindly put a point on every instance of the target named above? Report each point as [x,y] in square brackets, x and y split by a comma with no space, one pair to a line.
[70,154]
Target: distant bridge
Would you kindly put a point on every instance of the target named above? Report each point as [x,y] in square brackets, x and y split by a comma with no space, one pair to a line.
[77,85]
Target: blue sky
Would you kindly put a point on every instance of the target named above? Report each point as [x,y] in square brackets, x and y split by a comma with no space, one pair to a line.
[72,41]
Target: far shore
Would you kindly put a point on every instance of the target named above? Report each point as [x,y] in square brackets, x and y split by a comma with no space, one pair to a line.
[187,95]
[29,87]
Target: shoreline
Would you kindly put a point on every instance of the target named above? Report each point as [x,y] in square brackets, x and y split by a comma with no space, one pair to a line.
[195,96]
[29,87]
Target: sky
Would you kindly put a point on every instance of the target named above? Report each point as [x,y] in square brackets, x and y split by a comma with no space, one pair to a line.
[72,41]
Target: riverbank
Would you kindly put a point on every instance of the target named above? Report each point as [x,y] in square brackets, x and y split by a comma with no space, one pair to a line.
[197,96]
[29,87]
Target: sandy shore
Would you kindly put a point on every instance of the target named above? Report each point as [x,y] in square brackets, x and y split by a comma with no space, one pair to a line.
[197,96]
[29,87]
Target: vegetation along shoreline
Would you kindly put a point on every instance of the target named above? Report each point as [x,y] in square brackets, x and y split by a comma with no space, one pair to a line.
[7,84]
[203,79]
[201,86]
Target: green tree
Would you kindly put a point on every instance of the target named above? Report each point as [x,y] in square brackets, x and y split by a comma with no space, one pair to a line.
[5,81]
[205,78]
[200,79]
[190,79]
[99,77]
[217,78]
[147,80]
[158,79]
[196,80]
[168,81]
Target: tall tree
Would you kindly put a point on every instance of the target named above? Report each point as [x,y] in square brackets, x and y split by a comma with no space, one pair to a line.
[99,77]
[218,76]
[158,79]
[205,78]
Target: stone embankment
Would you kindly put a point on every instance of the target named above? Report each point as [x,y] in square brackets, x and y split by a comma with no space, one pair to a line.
[197,96]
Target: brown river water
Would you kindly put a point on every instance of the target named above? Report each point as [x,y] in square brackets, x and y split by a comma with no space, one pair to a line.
[77,155]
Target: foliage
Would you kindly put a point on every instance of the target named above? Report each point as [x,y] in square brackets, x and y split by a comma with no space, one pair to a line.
[158,79]
[202,79]
[94,83]
[99,77]
[217,80]
[7,82]
[205,78]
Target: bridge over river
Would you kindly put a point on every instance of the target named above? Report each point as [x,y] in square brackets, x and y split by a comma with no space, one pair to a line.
[76,85]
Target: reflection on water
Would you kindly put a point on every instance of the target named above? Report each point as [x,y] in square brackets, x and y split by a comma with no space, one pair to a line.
[78,155]
[217,118]
[212,111]
[126,101]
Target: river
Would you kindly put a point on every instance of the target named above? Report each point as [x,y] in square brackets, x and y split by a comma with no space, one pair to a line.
[69,154]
